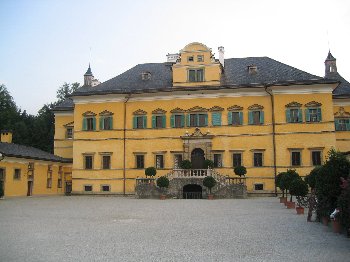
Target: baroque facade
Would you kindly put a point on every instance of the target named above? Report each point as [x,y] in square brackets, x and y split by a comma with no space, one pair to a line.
[255,111]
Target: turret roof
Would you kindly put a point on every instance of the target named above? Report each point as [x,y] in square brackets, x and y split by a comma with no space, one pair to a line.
[330,56]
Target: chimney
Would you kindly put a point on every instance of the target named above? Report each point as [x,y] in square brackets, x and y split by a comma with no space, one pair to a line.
[6,136]
[221,55]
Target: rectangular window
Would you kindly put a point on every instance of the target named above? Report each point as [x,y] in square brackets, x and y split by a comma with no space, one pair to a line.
[313,115]
[105,188]
[236,118]
[236,159]
[193,119]
[296,158]
[90,123]
[17,174]
[177,161]
[196,75]
[190,59]
[316,158]
[202,118]
[216,119]
[159,161]
[49,179]
[256,117]
[342,124]
[217,160]
[106,162]
[140,161]
[158,121]
[179,121]
[88,162]
[294,116]
[258,159]
[59,180]
[140,122]
[200,58]
[69,132]
[198,120]
[88,188]
[258,187]
[106,123]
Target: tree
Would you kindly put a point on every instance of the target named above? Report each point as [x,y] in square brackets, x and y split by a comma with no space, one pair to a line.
[299,188]
[150,171]
[280,182]
[65,90]
[209,182]
[288,178]
[208,163]
[240,171]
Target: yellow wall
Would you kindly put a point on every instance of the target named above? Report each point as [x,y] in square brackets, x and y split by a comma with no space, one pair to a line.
[63,146]
[19,187]
[343,137]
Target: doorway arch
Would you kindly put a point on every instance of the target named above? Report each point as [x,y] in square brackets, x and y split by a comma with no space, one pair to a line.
[197,158]
[192,191]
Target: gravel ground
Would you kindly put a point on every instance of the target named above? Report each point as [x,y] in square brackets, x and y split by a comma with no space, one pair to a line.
[85,228]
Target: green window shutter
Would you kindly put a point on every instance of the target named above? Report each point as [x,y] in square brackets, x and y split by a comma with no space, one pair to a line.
[172,121]
[188,120]
[261,117]
[336,123]
[300,115]
[216,119]
[348,125]
[182,120]
[319,114]
[229,118]
[288,116]
[134,122]
[240,118]
[84,124]
[144,121]
[101,123]
[94,123]
[164,121]
[205,120]
[153,121]
[250,117]
[307,115]
[111,122]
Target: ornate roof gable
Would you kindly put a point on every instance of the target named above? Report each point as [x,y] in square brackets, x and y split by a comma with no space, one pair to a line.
[342,113]
[140,112]
[159,111]
[235,108]
[89,113]
[105,113]
[178,110]
[293,104]
[70,124]
[197,109]
[313,104]
[216,109]
[255,107]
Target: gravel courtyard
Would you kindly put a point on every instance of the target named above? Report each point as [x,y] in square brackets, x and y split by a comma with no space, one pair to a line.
[125,229]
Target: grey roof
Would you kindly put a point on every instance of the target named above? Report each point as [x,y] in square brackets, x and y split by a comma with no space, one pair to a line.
[66,105]
[21,151]
[88,72]
[343,89]
[330,56]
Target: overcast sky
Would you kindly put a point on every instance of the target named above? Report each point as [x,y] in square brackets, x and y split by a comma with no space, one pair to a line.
[45,43]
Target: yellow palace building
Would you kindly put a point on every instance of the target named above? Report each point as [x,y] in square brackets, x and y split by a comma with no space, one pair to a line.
[254,111]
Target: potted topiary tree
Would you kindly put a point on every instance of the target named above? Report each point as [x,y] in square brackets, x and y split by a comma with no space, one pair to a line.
[299,189]
[290,176]
[209,182]
[162,183]
[240,171]
[208,164]
[151,172]
[280,179]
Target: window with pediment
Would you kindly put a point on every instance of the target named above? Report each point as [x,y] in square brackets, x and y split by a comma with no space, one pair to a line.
[158,118]
[177,118]
[197,117]
[140,119]
[216,115]
[342,120]
[255,115]
[106,120]
[235,115]
[89,121]
[294,113]
[313,112]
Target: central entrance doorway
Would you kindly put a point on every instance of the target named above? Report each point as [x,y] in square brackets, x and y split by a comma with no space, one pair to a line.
[192,191]
[197,158]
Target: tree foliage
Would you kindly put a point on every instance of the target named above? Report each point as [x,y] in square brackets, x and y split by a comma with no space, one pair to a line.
[150,171]
[65,90]
[240,171]
[209,182]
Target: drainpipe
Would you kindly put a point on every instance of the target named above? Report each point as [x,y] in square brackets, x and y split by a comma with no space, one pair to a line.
[273,134]
[124,144]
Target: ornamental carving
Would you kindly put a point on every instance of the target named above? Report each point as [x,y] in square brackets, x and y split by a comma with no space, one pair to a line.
[235,108]
[140,112]
[293,104]
[158,111]
[70,124]
[216,109]
[342,113]
[255,107]
[89,113]
[197,109]
[313,104]
[197,133]
[178,110]
[105,113]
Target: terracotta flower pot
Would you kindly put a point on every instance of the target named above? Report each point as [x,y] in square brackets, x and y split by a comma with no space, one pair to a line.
[300,210]
[283,199]
[162,197]
[324,221]
[336,226]
[210,197]
[290,205]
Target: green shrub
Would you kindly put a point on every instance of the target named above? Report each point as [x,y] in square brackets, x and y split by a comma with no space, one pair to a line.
[298,188]
[209,182]
[311,178]
[163,182]
[240,171]
[150,171]
[186,164]
[208,163]
[280,182]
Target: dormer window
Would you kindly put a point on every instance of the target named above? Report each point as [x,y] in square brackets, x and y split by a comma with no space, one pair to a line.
[190,59]
[146,76]
[252,69]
